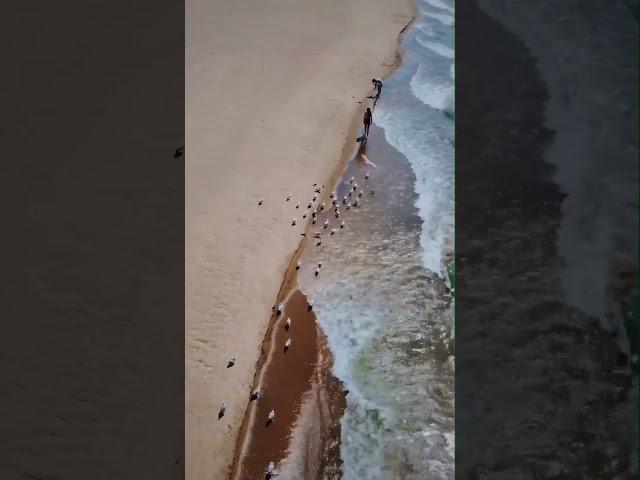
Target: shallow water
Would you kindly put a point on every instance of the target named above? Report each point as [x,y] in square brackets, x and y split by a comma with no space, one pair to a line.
[381,296]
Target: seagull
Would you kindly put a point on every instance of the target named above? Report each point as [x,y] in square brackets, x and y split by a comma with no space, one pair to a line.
[304,215]
[333,231]
[315,212]
[348,205]
[280,308]
[260,202]
[309,206]
[288,197]
[256,393]
[309,307]
[342,224]
[223,408]
[314,198]
[231,362]
[360,193]
[372,192]
[272,416]
[288,323]
[350,192]
[293,222]
[319,243]
[366,176]
[337,213]
[333,202]
[319,264]
[344,200]
[326,223]
[297,205]
[298,264]
[355,185]
[271,469]
[317,271]
[314,220]
[179,151]
[355,202]
[352,179]
[287,344]
[322,206]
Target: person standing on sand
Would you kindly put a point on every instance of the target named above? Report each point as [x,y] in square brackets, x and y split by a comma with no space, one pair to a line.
[377,83]
[367,121]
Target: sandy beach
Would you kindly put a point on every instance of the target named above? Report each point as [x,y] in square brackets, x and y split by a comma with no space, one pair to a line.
[273,92]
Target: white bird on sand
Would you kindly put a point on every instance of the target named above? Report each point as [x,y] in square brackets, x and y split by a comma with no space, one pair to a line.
[287,344]
[348,205]
[256,393]
[260,201]
[352,180]
[298,205]
[288,323]
[326,224]
[372,192]
[350,192]
[342,224]
[298,264]
[360,193]
[314,220]
[337,213]
[288,197]
[322,206]
[317,272]
[319,264]
[310,306]
[293,222]
[319,243]
[315,212]
[333,231]
[223,408]
[272,416]
[271,469]
[366,176]
[232,360]
[309,206]
[344,200]
[280,308]
[355,185]
[355,202]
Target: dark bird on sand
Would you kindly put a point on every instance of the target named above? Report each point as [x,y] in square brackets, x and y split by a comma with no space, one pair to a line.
[179,151]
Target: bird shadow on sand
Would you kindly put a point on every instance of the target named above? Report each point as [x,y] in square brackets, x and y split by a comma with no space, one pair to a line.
[220,415]
[268,423]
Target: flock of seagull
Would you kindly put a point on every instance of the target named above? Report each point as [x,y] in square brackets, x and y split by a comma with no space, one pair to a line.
[353,199]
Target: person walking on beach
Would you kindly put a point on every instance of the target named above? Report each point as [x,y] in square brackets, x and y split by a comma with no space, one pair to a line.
[377,84]
[367,121]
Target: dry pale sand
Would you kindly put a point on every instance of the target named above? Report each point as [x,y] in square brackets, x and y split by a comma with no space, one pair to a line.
[272,90]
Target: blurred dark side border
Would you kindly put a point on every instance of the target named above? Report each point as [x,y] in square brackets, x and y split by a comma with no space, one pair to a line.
[92,241]
[543,389]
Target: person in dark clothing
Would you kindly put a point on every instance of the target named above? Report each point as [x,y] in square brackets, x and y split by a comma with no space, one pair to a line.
[367,121]
[377,84]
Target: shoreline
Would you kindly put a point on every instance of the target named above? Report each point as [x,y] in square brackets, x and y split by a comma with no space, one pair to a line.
[324,396]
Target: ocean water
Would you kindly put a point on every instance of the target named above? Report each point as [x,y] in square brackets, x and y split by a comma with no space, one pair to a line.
[592,82]
[381,296]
